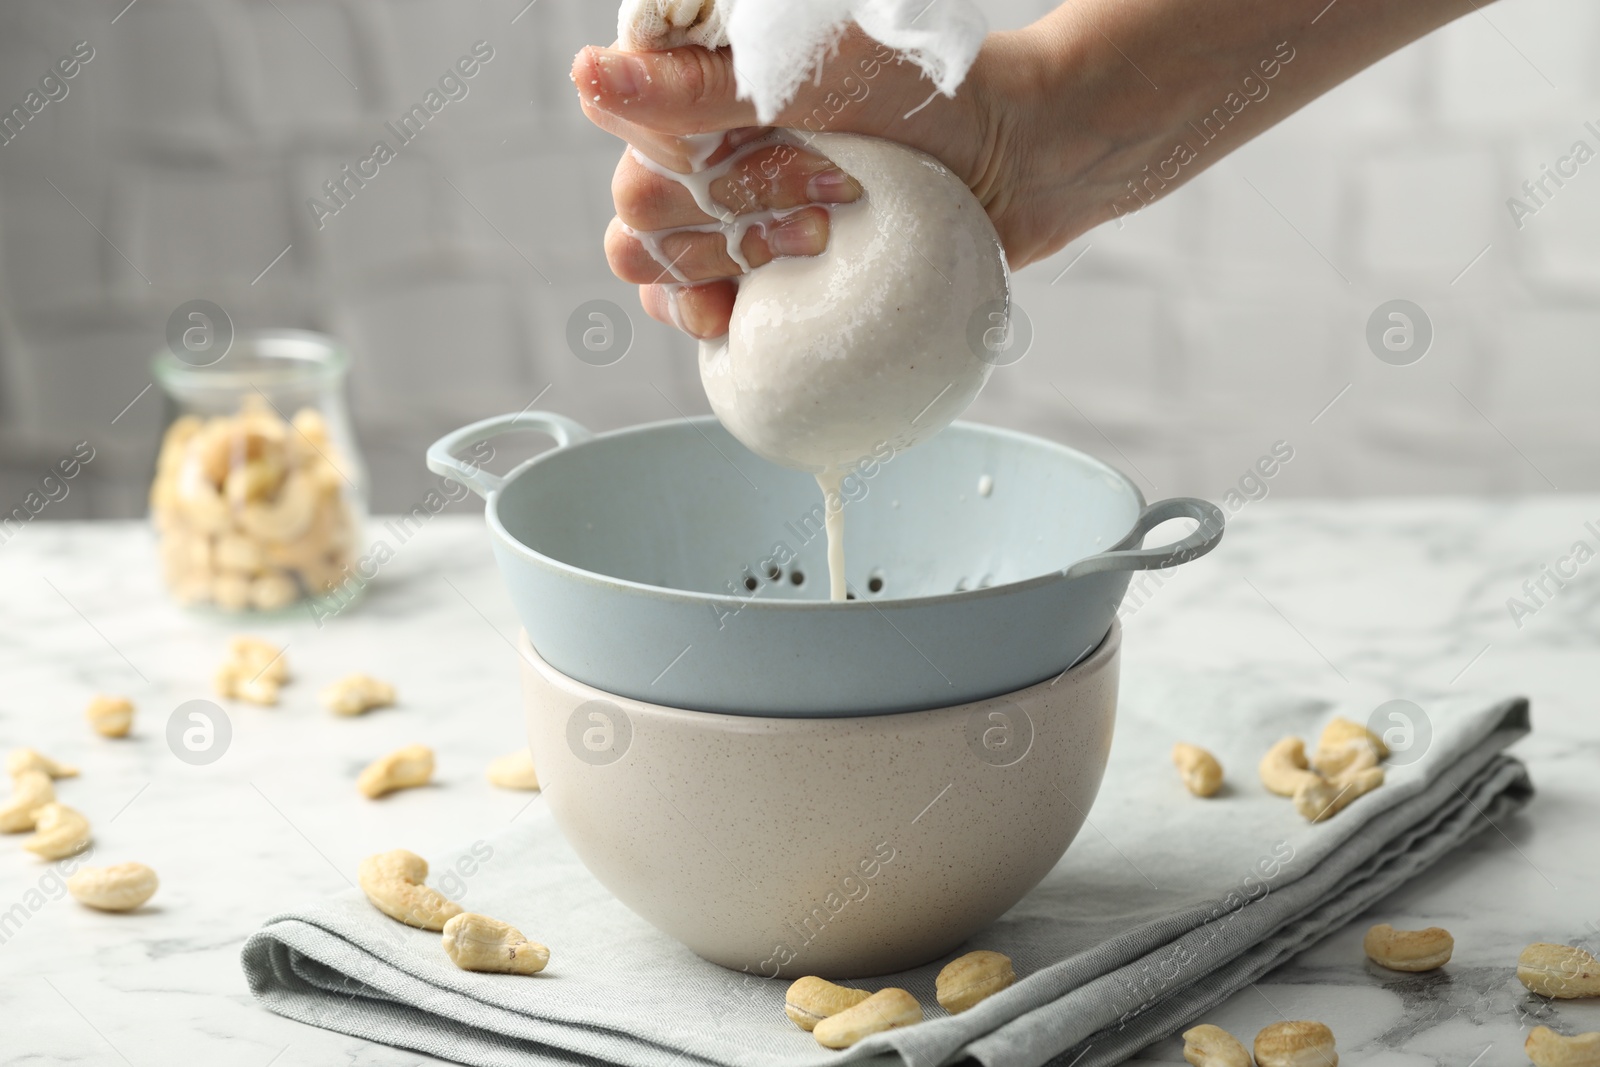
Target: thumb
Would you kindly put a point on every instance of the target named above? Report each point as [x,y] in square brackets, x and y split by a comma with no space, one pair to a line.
[863,87]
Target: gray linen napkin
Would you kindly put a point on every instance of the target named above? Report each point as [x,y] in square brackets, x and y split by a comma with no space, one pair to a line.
[1163,906]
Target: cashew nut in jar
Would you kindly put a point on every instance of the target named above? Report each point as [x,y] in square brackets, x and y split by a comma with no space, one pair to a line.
[253,513]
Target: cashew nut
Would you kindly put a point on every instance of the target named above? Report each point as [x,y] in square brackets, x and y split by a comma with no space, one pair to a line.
[264,658]
[1408,950]
[393,882]
[235,496]
[1296,1044]
[231,592]
[1212,1046]
[30,791]
[514,771]
[110,716]
[811,1000]
[1347,746]
[31,759]
[1321,800]
[1201,772]
[237,682]
[1284,767]
[59,831]
[253,671]
[355,693]
[404,768]
[478,943]
[965,981]
[887,1009]
[1559,971]
[120,888]
[272,591]
[1546,1048]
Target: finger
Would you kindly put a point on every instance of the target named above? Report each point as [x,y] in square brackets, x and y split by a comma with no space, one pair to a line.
[862,87]
[771,178]
[643,87]
[688,255]
[700,311]
[666,148]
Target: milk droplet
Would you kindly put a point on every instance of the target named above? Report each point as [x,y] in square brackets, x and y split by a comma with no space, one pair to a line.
[985,485]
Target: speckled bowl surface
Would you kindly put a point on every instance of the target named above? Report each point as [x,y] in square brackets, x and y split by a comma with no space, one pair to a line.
[841,847]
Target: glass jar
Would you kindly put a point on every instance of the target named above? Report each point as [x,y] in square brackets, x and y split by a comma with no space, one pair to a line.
[259,495]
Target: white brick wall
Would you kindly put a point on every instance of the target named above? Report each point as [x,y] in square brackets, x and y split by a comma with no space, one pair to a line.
[1183,343]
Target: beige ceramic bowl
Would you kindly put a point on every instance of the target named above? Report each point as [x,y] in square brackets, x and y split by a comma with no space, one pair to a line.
[840,847]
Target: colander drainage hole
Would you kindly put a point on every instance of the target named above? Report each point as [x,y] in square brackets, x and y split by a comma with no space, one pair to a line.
[750,583]
[797,577]
[875,582]
[849,596]
[773,573]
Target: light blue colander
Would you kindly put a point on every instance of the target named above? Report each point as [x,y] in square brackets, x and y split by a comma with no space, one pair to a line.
[669,564]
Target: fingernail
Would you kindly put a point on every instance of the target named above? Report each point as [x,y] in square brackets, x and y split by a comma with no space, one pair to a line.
[693,317]
[832,186]
[803,236]
[620,75]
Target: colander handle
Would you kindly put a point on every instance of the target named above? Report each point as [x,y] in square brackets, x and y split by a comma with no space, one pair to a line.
[1128,555]
[442,453]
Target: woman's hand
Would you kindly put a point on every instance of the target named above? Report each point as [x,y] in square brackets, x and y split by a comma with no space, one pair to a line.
[1093,112]
[654,101]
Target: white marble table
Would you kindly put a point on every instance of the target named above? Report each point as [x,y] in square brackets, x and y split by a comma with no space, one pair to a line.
[1408,595]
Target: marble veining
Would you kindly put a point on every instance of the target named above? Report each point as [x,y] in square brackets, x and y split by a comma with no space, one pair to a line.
[1405,596]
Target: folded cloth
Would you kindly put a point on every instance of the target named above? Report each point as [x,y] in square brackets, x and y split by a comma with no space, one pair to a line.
[780,42]
[1163,906]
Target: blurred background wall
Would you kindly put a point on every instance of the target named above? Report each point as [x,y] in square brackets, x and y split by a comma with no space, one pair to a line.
[1181,345]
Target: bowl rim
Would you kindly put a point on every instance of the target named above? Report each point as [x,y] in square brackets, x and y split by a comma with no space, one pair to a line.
[688,597]
[1108,650]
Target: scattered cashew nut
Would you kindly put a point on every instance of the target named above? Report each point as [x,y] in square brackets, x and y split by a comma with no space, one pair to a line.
[1296,1044]
[403,768]
[393,881]
[478,943]
[356,693]
[59,832]
[110,716]
[29,759]
[30,791]
[1212,1046]
[1559,971]
[1347,746]
[1321,799]
[811,1000]
[969,979]
[1201,772]
[119,888]
[254,670]
[887,1009]
[1408,950]
[1546,1048]
[514,771]
[1284,768]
